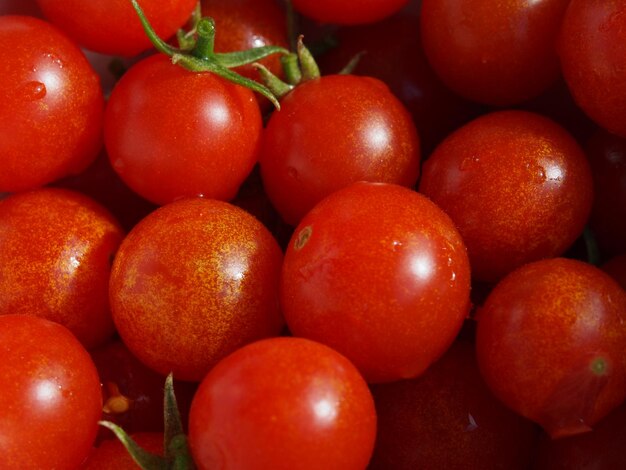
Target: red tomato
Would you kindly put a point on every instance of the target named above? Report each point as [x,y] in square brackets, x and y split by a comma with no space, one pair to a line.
[112,26]
[56,253]
[517,186]
[171,133]
[592,47]
[112,455]
[550,343]
[331,132]
[381,274]
[283,403]
[348,11]
[498,53]
[448,419]
[192,282]
[52,105]
[50,394]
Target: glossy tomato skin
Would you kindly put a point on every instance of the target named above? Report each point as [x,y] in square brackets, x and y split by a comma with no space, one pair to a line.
[550,344]
[112,27]
[283,403]
[52,105]
[516,184]
[50,392]
[56,250]
[592,44]
[498,53]
[347,11]
[192,282]
[379,273]
[171,133]
[331,132]
[448,418]
[112,455]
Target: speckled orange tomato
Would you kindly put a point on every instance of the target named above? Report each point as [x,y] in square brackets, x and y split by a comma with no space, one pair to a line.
[192,282]
[494,52]
[379,273]
[550,344]
[282,404]
[592,47]
[517,186]
[56,250]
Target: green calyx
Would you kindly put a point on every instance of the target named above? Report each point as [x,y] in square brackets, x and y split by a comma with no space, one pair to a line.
[196,52]
[177,455]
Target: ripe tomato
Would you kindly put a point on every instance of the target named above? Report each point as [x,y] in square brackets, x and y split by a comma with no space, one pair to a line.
[192,282]
[111,26]
[331,132]
[56,250]
[592,46]
[448,419]
[52,105]
[380,273]
[348,11]
[112,455]
[283,403]
[499,53]
[172,133]
[50,394]
[517,186]
[550,343]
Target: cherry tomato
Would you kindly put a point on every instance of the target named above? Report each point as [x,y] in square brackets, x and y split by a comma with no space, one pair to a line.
[448,418]
[550,343]
[283,403]
[592,46]
[50,394]
[112,455]
[112,26]
[331,132]
[499,53]
[171,133]
[348,11]
[380,273]
[192,282]
[52,105]
[56,253]
[517,186]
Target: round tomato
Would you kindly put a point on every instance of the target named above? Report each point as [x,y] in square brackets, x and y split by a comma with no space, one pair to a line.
[516,184]
[112,26]
[52,105]
[331,132]
[283,403]
[550,343]
[348,11]
[192,282]
[50,394]
[171,133]
[499,53]
[379,273]
[56,251]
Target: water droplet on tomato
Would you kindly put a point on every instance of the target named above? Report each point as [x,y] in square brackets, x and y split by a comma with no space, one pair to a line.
[34,90]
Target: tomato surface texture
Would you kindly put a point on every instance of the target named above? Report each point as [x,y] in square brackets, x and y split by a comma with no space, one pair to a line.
[283,403]
[380,273]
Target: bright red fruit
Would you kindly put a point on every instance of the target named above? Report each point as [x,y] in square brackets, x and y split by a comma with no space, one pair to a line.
[112,27]
[112,455]
[50,394]
[516,184]
[283,403]
[52,105]
[550,343]
[499,53]
[171,133]
[192,282]
[331,132]
[592,47]
[380,273]
[56,250]
[448,419]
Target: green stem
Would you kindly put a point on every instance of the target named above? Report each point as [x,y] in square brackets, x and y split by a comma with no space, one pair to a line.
[205,44]
[308,65]
[156,41]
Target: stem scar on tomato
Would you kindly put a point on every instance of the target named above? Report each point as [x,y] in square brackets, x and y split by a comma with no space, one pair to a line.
[303,237]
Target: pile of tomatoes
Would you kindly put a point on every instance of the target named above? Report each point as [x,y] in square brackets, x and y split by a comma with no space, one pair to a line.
[412,255]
